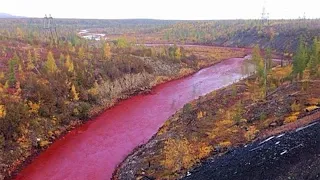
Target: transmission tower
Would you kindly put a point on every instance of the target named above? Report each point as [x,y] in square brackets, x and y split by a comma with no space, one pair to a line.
[264,15]
[50,28]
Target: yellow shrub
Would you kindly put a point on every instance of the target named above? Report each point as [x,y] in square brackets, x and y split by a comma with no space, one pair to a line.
[225,123]
[2,111]
[204,150]
[74,93]
[94,90]
[160,79]
[281,72]
[54,120]
[1,75]
[178,154]
[185,71]
[24,142]
[295,107]
[292,118]
[212,134]
[57,132]
[201,114]
[44,143]
[251,133]
[311,108]
[164,128]
[225,144]
[214,93]
[34,107]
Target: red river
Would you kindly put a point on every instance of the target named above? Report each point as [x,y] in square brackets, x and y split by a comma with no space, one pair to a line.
[93,150]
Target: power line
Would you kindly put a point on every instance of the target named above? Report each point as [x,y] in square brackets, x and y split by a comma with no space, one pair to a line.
[50,27]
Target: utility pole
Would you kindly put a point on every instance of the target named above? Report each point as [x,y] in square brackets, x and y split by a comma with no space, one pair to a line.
[265,21]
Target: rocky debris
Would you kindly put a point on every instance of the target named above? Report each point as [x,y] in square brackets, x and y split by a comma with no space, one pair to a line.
[274,124]
[294,155]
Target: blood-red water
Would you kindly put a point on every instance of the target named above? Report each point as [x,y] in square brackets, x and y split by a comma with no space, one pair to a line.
[93,150]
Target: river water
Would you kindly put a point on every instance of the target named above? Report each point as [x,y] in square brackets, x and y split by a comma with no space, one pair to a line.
[93,150]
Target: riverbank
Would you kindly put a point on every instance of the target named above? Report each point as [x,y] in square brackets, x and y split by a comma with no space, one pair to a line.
[290,155]
[224,119]
[182,73]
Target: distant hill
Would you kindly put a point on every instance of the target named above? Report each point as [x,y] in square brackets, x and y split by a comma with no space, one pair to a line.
[5,15]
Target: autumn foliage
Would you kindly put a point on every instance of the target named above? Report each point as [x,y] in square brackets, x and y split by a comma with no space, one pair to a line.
[47,87]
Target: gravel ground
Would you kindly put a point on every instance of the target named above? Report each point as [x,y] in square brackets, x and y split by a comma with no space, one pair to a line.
[293,155]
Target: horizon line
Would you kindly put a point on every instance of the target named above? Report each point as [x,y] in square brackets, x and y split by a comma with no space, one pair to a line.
[12,16]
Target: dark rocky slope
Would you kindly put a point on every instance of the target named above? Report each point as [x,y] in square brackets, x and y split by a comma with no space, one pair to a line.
[293,155]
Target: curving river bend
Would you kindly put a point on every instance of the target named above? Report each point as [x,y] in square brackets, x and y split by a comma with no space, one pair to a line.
[93,150]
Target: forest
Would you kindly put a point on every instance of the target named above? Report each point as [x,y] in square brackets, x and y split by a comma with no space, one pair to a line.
[280,35]
[50,84]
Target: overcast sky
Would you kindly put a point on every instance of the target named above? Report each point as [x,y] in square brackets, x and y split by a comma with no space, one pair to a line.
[162,9]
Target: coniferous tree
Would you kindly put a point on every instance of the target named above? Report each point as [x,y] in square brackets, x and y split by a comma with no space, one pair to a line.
[177,54]
[12,74]
[300,60]
[257,59]
[268,59]
[30,64]
[1,75]
[2,111]
[61,59]
[261,67]
[74,93]
[106,51]
[69,64]
[51,65]
[314,58]
[19,33]
[122,43]
[16,58]
[81,53]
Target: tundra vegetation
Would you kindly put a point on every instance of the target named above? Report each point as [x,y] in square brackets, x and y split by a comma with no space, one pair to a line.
[270,101]
[49,86]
